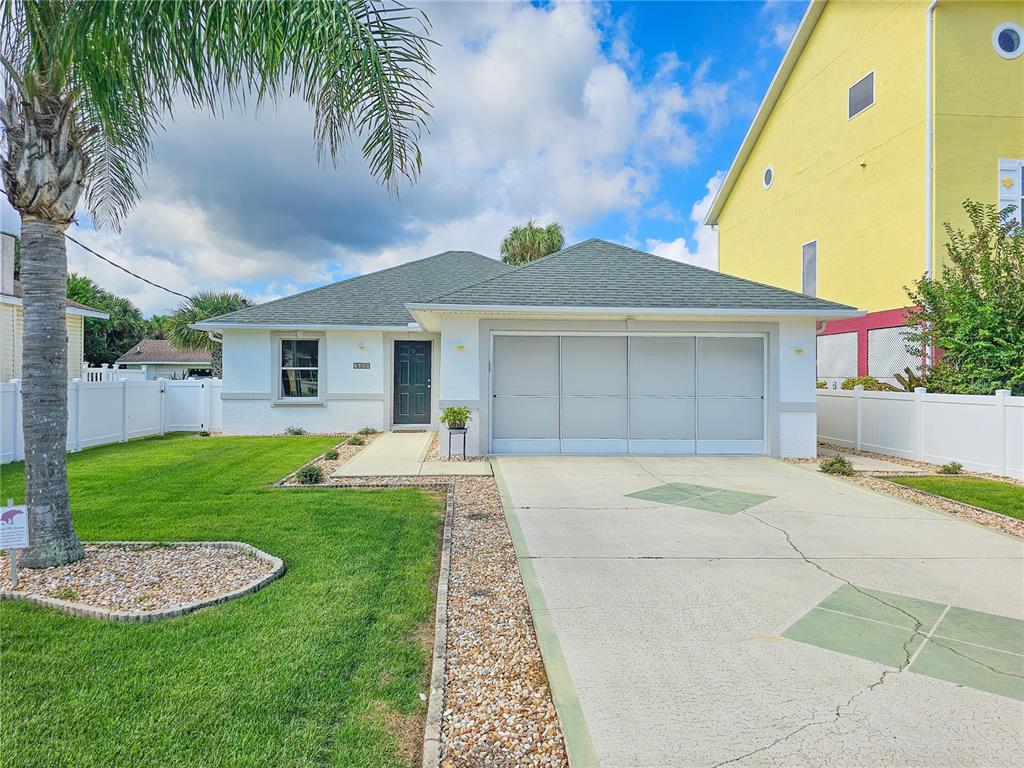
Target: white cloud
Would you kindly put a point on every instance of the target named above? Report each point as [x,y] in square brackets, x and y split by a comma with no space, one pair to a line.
[780,18]
[701,249]
[538,113]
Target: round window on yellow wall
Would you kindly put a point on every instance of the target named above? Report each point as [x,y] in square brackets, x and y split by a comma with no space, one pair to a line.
[1008,40]
[768,177]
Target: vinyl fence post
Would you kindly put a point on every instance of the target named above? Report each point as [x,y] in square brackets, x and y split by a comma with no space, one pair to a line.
[858,415]
[163,405]
[75,415]
[124,410]
[1001,428]
[17,438]
[205,395]
[919,422]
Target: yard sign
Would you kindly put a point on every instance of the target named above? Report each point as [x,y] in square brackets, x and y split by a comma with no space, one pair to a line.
[13,533]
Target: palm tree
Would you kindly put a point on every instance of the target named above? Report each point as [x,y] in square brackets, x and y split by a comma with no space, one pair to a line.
[530,242]
[202,306]
[86,85]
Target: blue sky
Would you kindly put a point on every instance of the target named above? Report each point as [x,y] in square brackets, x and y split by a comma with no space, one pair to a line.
[615,119]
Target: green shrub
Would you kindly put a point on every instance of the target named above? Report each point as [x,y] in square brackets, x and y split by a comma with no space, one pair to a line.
[310,474]
[65,593]
[952,468]
[204,433]
[294,431]
[456,417]
[869,383]
[836,465]
[355,440]
[331,455]
[367,431]
[821,384]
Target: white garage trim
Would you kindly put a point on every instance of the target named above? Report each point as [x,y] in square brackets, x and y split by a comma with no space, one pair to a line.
[616,404]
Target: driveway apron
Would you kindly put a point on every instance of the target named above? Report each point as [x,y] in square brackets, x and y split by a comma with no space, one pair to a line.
[745,611]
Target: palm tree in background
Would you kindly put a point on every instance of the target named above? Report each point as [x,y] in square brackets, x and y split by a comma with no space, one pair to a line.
[86,85]
[202,306]
[530,242]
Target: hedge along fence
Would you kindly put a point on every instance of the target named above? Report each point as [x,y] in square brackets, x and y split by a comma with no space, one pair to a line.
[985,433]
[101,412]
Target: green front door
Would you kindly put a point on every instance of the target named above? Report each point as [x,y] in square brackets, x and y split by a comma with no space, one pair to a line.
[412,382]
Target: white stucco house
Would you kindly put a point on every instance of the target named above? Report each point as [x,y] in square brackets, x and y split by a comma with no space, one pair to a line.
[597,348]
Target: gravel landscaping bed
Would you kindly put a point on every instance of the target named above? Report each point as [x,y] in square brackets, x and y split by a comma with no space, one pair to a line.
[434,451]
[345,452]
[912,464]
[497,704]
[129,577]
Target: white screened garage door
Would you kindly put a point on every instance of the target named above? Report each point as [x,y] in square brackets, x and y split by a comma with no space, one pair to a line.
[628,394]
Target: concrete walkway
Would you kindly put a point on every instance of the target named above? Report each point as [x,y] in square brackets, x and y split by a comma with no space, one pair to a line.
[395,454]
[745,611]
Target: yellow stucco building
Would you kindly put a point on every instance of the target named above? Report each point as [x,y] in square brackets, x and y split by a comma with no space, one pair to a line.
[883,118]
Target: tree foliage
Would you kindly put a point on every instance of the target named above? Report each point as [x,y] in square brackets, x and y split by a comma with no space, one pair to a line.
[202,306]
[106,340]
[974,312]
[531,242]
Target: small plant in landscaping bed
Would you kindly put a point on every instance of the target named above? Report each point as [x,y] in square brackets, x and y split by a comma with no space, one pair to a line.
[294,431]
[204,433]
[836,465]
[355,440]
[310,474]
[367,431]
[456,417]
[819,384]
[953,468]
[65,593]
[331,455]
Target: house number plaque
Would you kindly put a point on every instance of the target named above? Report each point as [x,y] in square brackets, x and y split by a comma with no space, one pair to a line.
[359,366]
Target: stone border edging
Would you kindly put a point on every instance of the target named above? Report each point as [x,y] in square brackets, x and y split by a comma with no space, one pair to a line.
[81,610]
[439,662]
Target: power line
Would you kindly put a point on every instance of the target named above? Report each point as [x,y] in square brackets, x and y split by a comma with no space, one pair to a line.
[123,269]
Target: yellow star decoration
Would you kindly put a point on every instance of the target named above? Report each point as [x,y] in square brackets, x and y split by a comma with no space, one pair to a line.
[1008,182]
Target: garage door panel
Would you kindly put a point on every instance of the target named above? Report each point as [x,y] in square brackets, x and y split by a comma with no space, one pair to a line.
[730,418]
[662,418]
[593,365]
[730,366]
[661,366]
[525,365]
[525,417]
[593,418]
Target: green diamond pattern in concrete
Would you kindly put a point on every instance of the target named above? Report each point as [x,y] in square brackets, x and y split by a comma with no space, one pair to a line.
[971,648]
[703,497]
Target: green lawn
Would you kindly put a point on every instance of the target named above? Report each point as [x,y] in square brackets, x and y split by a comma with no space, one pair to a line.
[323,667]
[1005,498]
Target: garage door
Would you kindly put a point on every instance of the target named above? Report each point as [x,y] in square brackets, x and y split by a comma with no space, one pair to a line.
[627,394]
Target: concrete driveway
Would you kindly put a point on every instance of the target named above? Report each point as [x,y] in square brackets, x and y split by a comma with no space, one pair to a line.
[745,611]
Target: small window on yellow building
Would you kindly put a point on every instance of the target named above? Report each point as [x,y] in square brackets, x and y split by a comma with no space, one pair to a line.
[1008,40]
[862,94]
[768,177]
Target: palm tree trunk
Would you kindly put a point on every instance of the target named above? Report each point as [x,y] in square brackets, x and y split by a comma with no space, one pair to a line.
[216,360]
[52,539]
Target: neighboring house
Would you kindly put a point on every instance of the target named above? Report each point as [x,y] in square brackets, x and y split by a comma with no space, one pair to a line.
[882,119]
[597,348]
[162,360]
[12,320]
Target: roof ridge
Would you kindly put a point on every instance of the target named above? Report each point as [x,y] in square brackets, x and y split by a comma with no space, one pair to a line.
[345,280]
[513,270]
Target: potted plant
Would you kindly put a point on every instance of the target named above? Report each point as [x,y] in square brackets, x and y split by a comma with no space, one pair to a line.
[456,417]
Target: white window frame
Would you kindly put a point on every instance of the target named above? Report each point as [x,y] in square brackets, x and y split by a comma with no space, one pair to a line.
[1015,169]
[1020,36]
[321,369]
[803,269]
[874,94]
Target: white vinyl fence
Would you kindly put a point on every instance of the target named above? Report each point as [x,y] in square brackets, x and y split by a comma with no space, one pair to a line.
[985,433]
[106,373]
[102,412]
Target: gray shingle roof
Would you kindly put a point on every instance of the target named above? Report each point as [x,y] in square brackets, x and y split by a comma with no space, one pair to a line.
[378,298]
[161,351]
[596,273]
